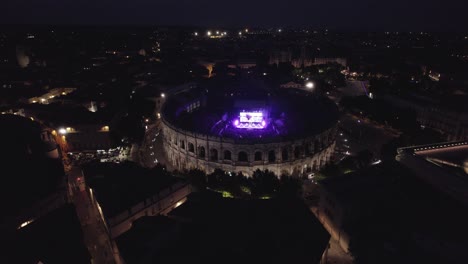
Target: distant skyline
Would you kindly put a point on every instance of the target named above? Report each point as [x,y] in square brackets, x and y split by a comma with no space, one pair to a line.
[404,15]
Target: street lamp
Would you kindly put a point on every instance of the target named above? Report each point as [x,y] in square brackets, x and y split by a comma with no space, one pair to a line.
[309,85]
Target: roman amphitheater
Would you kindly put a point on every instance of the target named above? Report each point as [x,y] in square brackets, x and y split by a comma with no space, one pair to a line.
[246,125]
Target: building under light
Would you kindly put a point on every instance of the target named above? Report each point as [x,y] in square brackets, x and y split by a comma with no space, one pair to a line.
[125,192]
[36,209]
[443,165]
[247,126]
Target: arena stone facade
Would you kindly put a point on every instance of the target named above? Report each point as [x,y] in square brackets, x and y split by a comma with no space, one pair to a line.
[186,150]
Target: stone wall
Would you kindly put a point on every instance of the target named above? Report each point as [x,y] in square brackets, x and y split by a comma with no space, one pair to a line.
[187,150]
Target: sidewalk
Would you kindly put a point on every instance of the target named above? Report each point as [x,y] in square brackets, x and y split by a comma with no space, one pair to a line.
[334,254]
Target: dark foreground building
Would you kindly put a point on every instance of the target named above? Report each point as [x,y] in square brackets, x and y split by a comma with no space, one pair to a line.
[38,223]
[387,214]
[211,229]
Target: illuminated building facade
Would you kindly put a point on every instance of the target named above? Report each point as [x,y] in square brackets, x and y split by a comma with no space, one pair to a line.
[287,132]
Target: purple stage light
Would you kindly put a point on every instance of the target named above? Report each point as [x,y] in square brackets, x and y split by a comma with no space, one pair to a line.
[250,120]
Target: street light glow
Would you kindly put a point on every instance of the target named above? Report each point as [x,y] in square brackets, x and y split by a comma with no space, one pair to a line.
[62,131]
[163,95]
[208,33]
[310,85]
[25,223]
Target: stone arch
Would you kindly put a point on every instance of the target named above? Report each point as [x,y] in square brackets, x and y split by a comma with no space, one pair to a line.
[271,156]
[324,159]
[227,155]
[329,137]
[182,144]
[191,148]
[284,154]
[296,171]
[316,146]
[201,152]
[258,156]
[307,151]
[314,165]
[214,154]
[297,152]
[242,156]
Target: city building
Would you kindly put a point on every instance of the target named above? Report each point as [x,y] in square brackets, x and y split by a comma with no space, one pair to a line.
[320,61]
[294,85]
[449,118]
[50,96]
[75,128]
[84,137]
[303,57]
[38,222]
[443,165]
[210,228]
[30,150]
[124,192]
[278,56]
[243,64]
[388,214]
[52,238]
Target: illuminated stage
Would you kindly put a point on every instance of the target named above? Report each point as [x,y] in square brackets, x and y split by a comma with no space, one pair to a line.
[250,120]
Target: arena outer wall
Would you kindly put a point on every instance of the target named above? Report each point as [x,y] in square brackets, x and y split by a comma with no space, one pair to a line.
[186,150]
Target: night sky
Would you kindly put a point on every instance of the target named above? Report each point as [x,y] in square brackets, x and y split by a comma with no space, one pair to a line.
[449,15]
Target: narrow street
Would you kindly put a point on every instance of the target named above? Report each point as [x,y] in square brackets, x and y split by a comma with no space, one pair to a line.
[151,151]
[359,134]
[94,232]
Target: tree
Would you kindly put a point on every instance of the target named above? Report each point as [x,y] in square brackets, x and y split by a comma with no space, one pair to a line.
[197,178]
[264,183]
[290,186]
